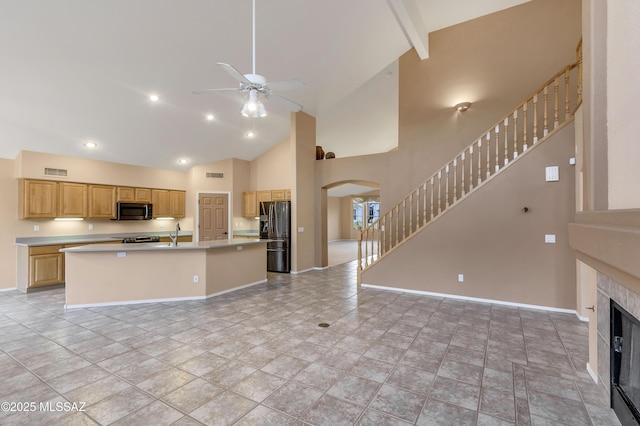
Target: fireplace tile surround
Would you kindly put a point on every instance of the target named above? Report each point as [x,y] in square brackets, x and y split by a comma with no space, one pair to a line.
[610,289]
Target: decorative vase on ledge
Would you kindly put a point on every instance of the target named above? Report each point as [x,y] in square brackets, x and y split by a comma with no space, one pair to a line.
[319,153]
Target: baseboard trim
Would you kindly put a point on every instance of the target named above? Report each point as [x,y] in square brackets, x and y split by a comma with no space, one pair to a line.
[581,318]
[8,289]
[303,271]
[593,375]
[473,299]
[169,299]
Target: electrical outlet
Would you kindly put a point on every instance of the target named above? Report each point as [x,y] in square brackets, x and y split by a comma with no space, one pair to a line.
[239,248]
[550,238]
[195,278]
[36,228]
[460,278]
[91,227]
[122,254]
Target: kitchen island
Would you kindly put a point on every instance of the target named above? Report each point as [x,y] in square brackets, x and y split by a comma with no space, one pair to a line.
[112,274]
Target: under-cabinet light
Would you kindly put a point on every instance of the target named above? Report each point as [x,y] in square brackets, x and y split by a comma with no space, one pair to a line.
[164,218]
[68,218]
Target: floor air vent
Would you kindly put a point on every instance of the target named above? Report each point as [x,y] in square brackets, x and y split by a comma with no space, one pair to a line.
[215,175]
[55,172]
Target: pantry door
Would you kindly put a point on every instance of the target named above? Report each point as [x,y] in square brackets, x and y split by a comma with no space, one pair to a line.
[213,214]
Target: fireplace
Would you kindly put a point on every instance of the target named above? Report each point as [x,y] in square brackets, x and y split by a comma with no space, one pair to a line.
[625,365]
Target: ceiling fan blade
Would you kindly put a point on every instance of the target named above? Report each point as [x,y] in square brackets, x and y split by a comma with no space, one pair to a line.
[279,86]
[205,91]
[290,105]
[234,73]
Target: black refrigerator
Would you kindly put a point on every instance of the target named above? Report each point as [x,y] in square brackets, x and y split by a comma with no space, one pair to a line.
[275,225]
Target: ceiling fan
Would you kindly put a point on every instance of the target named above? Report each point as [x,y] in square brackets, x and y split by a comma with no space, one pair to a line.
[256,85]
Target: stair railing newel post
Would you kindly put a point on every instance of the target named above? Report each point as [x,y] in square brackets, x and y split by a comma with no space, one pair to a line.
[462,181]
[360,266]
[488,148]
[479,162]
[455,175]
[506,141]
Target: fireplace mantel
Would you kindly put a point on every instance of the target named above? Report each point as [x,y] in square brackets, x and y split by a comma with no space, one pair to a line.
[609,241]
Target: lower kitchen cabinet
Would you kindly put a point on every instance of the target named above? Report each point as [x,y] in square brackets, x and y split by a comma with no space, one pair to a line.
[46,266]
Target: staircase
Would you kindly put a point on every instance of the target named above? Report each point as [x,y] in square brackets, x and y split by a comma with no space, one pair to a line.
[531,123]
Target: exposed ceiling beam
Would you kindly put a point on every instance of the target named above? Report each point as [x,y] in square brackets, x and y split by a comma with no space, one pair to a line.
[409,19]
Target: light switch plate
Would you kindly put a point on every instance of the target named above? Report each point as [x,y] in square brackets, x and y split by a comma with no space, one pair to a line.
[552,173]
[572,161]
[301,229]
[550,238]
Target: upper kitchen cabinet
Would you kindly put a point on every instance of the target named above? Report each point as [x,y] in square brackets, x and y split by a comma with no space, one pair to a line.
[177,206]
[287,194]
[161,200]
[129,194]
[249,204]
[102,201]
[278,194]
[263,196]
[39,199]
[73,199]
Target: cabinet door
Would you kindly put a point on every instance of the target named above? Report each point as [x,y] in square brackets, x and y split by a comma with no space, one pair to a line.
[102,201]
[249,204]
[126,194]
[46,266]
[161,202]
[177,203]
[277,194]
[263,196]
[39,199]
[287,194]
[73,199]
[143,195]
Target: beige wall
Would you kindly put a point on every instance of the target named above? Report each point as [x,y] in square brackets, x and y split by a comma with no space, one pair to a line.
[334,222]
[500,249]
[623,93]
[10,224]
[304,209]
[272,169]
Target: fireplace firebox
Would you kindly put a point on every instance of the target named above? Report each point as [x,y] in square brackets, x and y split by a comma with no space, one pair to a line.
[625,365]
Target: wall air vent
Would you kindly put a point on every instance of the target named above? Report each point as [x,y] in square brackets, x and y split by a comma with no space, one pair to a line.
[215,175]
[48,171]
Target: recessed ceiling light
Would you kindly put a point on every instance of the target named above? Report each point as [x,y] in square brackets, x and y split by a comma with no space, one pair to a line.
[90,144]
[183,161]
[210,117]
[154,98]
[250,134]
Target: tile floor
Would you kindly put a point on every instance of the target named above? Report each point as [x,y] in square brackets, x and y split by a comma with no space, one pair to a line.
[258,357]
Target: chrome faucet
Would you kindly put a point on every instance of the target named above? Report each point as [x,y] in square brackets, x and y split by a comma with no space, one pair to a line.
[174,237]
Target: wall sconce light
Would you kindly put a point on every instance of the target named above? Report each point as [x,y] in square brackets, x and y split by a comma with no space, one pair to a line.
[463,106]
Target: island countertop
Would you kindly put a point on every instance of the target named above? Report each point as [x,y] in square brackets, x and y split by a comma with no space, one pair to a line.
[89,238]
[198,245]
[107,274]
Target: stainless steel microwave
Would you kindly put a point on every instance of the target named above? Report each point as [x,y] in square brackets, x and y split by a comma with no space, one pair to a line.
[134,211]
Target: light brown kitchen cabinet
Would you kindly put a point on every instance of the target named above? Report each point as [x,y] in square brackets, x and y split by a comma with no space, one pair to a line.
[130,194]
[287,194]
[73,200]
[278,194]
[263,196]
[249,204]
[177,206]
[102,201]
[39,199]
[161,201]
[46,266]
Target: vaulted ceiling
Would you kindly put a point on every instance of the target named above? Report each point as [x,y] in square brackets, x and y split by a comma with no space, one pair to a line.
[75,70]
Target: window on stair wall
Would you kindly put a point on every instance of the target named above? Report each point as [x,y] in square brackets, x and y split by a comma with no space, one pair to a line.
[365,211]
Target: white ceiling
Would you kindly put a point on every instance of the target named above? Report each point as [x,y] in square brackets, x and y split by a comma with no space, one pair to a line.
[78,70]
